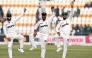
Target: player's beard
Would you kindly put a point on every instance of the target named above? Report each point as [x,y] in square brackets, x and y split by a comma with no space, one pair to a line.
[8,19]
[64,18]
[44,19]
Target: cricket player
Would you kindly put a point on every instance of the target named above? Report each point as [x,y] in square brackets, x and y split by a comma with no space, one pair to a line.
[43,33]
[63,30]
[10,32]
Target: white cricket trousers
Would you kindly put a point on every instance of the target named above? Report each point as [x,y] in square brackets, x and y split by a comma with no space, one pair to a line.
[10,43]
[43,39]
[65,42]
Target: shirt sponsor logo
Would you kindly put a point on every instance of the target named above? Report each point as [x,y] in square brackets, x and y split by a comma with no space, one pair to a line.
[10,26]
[65,24]
[44,26]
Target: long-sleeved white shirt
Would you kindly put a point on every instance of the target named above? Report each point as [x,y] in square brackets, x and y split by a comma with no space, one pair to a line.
[9,27]
[64,25]
[44,25]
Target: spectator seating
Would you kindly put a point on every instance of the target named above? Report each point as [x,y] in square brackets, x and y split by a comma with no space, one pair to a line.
[26,24]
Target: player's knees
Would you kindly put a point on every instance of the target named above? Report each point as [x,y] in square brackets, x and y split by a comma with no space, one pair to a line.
[9,47]
[21,37]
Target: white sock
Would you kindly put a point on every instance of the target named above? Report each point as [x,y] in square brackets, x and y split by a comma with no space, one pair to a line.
[10,52]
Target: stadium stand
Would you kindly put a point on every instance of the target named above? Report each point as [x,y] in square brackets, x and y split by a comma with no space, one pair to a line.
[26,24]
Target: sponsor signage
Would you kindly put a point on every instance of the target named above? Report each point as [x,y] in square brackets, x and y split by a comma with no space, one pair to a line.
[73,40]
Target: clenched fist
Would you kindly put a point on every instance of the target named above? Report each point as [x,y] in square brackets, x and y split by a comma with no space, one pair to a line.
[9,39]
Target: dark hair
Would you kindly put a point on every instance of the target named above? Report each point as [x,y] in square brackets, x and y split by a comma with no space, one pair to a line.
[44,13]
[64,14]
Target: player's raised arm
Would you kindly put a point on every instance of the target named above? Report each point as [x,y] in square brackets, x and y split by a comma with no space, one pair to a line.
[71,12]
[15,20]
[53,14]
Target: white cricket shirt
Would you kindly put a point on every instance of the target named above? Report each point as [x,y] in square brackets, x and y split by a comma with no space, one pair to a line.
[44,25]
[64,25]
[9,27]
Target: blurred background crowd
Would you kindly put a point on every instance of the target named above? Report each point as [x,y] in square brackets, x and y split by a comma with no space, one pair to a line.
[81,22]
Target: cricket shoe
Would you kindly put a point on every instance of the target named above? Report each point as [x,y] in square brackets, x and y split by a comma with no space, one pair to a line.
[58,49]
[21,50]
[32,48]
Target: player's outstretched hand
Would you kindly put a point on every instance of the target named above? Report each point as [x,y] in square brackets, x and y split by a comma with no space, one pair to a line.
[72,4]
[52,8]
[24,9]
[8,38]
[58,33]
[35,33]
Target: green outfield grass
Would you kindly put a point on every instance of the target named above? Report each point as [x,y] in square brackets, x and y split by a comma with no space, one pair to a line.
[73,52]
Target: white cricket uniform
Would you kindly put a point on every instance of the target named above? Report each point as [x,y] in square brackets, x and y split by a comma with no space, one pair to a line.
[64,28]
[42,34]
[10,31]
